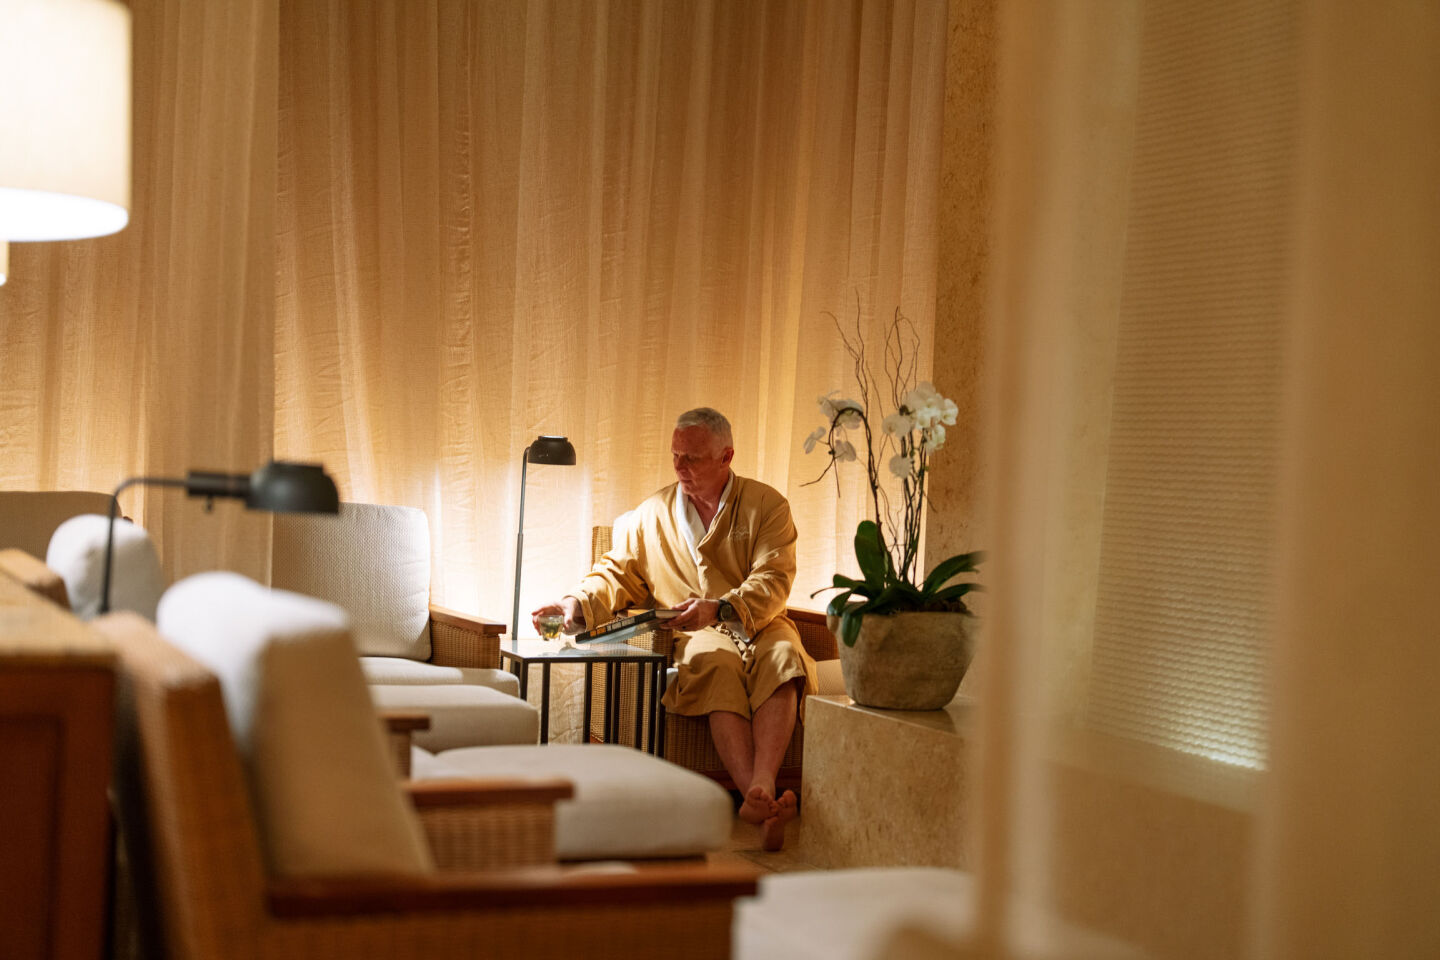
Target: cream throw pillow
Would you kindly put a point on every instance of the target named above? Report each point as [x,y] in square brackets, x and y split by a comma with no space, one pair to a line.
[323,783]
[77,554]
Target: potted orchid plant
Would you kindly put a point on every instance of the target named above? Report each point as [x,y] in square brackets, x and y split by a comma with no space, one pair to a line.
[890,608]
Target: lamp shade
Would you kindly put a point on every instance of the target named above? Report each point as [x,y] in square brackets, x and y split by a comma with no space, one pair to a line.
[65,125]
[556,451]
[283,487]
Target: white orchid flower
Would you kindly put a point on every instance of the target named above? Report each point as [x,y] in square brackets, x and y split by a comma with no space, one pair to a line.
[815,438]
[927,406]
[843,451]
[948,411]
[827,406]
[934,438]
[900,465]
[850,416]
[898,424]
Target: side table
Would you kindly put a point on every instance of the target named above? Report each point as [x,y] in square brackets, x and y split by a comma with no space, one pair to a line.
[520,654]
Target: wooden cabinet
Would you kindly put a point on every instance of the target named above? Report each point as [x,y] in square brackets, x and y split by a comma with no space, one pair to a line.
[57,686]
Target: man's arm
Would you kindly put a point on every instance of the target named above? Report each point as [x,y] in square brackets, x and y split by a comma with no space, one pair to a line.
[614,583]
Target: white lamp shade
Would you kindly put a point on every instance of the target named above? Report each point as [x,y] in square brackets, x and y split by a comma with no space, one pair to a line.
[65,124]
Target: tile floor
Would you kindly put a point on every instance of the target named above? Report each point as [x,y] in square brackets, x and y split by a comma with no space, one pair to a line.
[744,849]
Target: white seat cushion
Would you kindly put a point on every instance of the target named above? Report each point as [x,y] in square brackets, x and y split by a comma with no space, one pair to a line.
[626,804]
[399,670]
[461,714]
[857,914]
[77,554]
[326,797]
[372,560]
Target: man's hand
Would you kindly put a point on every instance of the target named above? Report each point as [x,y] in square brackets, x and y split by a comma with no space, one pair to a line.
[695,614]
[568,607]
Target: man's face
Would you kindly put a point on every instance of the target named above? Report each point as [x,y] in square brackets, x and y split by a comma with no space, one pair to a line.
[702,463]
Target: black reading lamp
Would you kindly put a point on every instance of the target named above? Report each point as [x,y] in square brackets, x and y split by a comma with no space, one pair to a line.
[279,486]
[555,451]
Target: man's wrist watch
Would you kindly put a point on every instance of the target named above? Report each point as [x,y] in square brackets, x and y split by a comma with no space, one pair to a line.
[725,613]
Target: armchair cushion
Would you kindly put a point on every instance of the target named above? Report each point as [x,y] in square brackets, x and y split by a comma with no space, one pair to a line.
[320,775]
[399,671]
[372,560]
[77,554]
[461,714]
[626,804]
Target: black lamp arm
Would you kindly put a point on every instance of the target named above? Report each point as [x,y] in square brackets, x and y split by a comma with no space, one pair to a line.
[110,526]
[205,483]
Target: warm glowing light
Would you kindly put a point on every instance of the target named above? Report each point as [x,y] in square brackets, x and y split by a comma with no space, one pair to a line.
[65,126]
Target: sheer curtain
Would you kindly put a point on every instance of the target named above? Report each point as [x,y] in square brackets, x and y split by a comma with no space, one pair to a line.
[1209,719]
[148,352]
[503,219]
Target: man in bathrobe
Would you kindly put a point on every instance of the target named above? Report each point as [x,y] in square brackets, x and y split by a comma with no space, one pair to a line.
[720,548]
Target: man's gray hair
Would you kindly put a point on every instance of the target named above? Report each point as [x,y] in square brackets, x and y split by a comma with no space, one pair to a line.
[709,418]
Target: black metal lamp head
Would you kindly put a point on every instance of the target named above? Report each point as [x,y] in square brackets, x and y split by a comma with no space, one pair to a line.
[556,451]
[279,486]
[282,487]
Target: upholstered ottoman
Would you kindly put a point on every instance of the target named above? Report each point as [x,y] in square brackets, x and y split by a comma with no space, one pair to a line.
[890,912]
[461,714]
[627,804]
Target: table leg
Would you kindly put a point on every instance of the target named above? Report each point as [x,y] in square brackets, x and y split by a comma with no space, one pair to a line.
[589,678]
[545,702]
[653,712]
[605,708]
[639,707]
[660,711]
[522,669]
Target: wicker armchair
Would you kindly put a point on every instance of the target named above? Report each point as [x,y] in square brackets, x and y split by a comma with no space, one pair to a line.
[687,739]
[203,892]
[374,561]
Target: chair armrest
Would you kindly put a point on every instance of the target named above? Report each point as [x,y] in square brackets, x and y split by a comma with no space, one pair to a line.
[815,633]
[465,621]
[434,794]
[548,888]
[461,640]
[487,824]
[400,725]
[34,575]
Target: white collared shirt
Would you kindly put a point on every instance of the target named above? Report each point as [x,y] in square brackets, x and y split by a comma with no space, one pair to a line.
[687,518]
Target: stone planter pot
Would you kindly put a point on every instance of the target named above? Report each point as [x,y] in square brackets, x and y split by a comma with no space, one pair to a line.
[907,661]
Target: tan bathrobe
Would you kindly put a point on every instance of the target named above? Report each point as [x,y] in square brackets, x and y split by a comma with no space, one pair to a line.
[747,557]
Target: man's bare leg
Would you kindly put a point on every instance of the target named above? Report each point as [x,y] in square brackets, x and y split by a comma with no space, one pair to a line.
[736,746]
[773,725]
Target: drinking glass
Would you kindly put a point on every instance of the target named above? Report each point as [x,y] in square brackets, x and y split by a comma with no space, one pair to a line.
[550,624]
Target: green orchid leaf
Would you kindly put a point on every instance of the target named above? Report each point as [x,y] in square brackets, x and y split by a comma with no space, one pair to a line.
[837,604]
[870,552]
[850,627]
[946,570]
[958,590]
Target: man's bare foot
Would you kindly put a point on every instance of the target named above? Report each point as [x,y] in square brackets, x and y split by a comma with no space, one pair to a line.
[772,831]
[759,805]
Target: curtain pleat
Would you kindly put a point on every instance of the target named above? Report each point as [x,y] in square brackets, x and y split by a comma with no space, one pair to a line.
[148,352]
[505,219]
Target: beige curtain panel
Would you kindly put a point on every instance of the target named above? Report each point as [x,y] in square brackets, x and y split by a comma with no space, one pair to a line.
[457,225]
